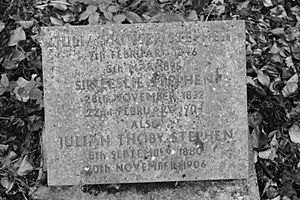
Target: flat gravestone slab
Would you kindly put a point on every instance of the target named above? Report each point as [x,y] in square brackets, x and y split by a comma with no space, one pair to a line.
[145,102]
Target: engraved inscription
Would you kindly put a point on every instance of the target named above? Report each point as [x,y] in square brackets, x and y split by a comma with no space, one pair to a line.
[145,103]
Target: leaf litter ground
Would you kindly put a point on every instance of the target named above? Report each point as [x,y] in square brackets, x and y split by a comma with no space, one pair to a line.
[273,66]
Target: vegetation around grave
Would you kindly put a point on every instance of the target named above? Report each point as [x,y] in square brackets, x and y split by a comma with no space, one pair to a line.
[273,67]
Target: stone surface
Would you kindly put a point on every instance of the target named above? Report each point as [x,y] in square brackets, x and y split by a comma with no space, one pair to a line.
[145,102]
[205,190]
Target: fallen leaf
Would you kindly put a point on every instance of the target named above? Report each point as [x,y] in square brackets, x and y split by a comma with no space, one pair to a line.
[276,198]
[278,31]
[4,80]
[3,148]
[7,183]
[17,35]
[255,156]
[292,33]
[89,10]
[56,21]
[2,90]
[135,18]
[217,7]
[251,81]
[26,24]
[10,156]
[18,55]
[263,78]
[164,1]
[94,18]
[2,25]
[42,192]
[22,82]
[274,49]
[268,154]
[242,5]
[60,4]
[68,17]
[25,167]
[122,1]
[103,5]
[133,4]
[254,139]
[294,133]
[274,142]
[268,3]
[296,11]
[285,198]
[291,86]
[279,12]
[113,9]
[289,63]
[10,64]
[217,1]
[192,16]
[108,15]
[119,18]
[295,47]
[154,18]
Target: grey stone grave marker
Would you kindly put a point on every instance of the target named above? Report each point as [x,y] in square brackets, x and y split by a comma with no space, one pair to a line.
[145,102]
